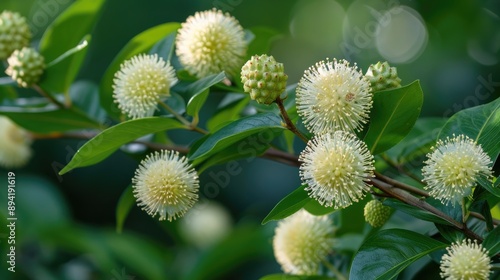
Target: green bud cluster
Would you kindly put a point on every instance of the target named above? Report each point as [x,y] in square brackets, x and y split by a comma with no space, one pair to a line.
[263,78]
[26,66]
[382,76]
[376,214]
[14,33]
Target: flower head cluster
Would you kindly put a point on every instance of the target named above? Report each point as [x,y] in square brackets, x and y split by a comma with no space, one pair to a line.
[332,95]
[452,169]
[376,214]
[382,76]
[165,183]
[465,260]
[210,42]
[141,82]
[302,241]
[14,144]
[14,33]
[336,167]
[26,66]
[263,78]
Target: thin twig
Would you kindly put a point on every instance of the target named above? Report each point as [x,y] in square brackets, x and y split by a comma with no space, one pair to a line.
[401,185]
[400,168]
[49,97]
[288,121]
[411,200]
[189,125]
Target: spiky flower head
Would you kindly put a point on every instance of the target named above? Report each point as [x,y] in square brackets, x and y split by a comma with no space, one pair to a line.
[263,78]
[26,67]
[165,184]
[14,33]
[302,241]
[465,260]
[332,95]
[453,168]
[382,76]
[336,167]
[210,42]
[141,82]
[14,144]
[376,214]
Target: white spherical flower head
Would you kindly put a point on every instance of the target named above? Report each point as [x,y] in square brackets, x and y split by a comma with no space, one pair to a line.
[210,42]
[165,183]
[333,96]
[302,241]
[206,224]
[14,144]
[452,169]
[140,83]
[465,260]
[336,168]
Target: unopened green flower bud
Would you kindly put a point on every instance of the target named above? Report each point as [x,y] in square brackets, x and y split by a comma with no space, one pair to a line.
[382,76]
[376,214]
[14,33]
[263,78]
[26,66]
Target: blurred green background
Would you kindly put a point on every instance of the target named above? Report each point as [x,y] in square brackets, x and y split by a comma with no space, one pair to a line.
[66,227]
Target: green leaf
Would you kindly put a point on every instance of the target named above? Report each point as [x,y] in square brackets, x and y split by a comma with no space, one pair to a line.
[125,203]
[267,124]
[49,119]
[317,209]
[492,242]
[165,47]
[393,115]
[228,113]
[85,96]
[387,252]
[263,38]
[414,211]
[418,142]
[81,46]
[141,43]
[244,244]
[288,205]
[481,123]
[294,277]
[198,92]
[111,139]
[64,34]
[248,148]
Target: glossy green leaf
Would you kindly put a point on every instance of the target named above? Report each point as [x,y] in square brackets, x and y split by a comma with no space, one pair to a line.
[481,123]
[125,203]
[49,119]
[198,92]
[64,34]
[387,252]
[294,277]
[111,139]
[393,115]
[265,125]
[139,44]
[288,205]
[492,242]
